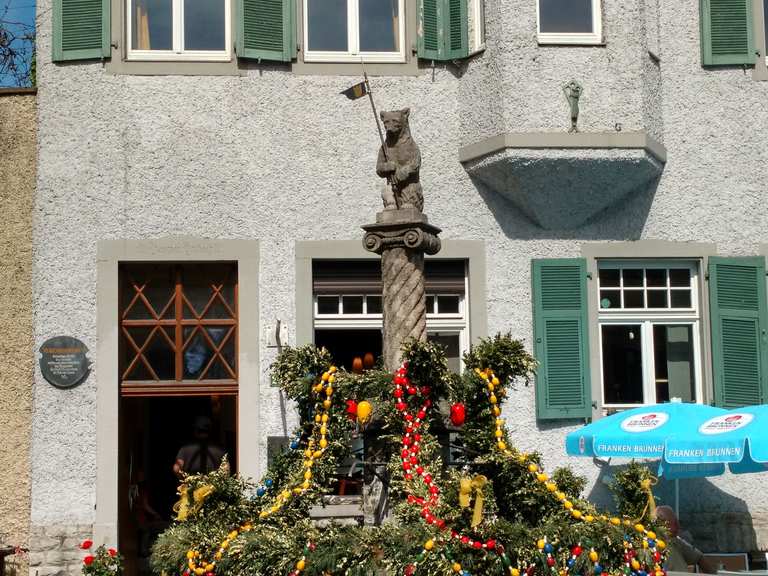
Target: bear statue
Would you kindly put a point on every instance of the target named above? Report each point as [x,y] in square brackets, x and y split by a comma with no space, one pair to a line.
[399,162]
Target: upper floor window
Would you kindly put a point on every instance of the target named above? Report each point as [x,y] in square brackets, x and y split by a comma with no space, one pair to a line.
[339,31]
[569,22]
[649,325]
[178,29]
[354,30]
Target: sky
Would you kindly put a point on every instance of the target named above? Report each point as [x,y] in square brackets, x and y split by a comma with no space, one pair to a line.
[22,11]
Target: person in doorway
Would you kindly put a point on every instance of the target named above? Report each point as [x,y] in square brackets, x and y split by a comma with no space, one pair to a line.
[681,554]
[201,456]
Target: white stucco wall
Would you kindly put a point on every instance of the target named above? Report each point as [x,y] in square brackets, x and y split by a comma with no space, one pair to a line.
[279,157]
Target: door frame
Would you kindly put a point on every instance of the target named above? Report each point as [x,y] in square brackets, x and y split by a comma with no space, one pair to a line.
[177,249]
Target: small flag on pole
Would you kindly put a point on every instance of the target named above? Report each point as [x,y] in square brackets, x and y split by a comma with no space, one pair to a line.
[356,91]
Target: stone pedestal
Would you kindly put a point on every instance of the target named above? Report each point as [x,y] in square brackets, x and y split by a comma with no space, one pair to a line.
[402,237]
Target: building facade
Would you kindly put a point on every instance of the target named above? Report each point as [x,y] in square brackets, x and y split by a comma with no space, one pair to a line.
[18,155]
[202,184]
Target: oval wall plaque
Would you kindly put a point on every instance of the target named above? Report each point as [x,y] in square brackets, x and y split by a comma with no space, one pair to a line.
[63,361]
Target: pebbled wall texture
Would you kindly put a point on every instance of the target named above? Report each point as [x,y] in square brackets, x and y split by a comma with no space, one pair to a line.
[280,157]
[18,154]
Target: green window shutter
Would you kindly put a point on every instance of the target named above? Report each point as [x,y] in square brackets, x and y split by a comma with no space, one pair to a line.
[561,338]
[81,29]
[443,30]
[739,319]
[727,32]
[266,29]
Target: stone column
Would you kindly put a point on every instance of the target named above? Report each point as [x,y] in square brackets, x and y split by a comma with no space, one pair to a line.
[402,237]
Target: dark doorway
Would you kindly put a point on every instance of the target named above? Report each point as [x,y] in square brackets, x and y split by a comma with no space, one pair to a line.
[152,430]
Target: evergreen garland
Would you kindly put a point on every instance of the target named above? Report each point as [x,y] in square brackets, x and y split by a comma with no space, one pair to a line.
[530,523]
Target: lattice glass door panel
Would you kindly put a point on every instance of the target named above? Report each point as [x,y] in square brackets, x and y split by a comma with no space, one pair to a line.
[178,322]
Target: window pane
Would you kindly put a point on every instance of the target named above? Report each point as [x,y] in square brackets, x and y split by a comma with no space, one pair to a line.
[622,364]
[327,25]
[204,25]
[609,277]
[681,298]
[680,277]
[452,349]
[379,26]
[374,304]
[657,299]
[152,25]
[199,353]
[447,304]
[673,355]
[430,304]
[352,304]
[327,304]
[610,299]
[565,15]
[656,277]
[633,299]
[632,277]
[158,353]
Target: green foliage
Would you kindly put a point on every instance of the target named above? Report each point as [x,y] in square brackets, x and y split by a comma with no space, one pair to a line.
[508,358]
[519,506]
[568,481]
[296,369]
[631,498]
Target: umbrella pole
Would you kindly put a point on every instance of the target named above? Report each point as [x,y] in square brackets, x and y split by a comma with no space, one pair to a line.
[677,497]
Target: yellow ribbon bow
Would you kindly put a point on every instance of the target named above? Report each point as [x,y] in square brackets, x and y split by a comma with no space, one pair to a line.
[466,485]
[184,508]
[650,507]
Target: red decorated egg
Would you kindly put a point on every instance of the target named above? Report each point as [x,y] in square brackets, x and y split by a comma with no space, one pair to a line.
[458,414]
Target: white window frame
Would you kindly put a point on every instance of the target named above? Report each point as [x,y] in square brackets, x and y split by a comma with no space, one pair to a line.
[594,37]
[442,324]
[763,22]
[647,318]
[178,52]
[353,54]
[478,23]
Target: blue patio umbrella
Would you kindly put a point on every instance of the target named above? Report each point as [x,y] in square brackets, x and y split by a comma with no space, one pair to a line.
[738,438]
[690,440]
[641,432]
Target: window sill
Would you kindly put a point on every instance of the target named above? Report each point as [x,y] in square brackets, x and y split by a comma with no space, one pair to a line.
[760,72]
[369,59]
[570,40]
[172,57]
[119,65]
[307,68]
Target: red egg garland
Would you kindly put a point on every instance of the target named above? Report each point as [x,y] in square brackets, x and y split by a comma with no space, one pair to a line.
[412,468]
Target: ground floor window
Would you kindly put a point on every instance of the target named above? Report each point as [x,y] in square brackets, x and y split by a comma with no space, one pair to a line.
[649,332]
[178,327]
[347,309]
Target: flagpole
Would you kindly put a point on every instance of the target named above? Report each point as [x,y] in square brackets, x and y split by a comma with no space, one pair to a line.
[375,115]
[378,125]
